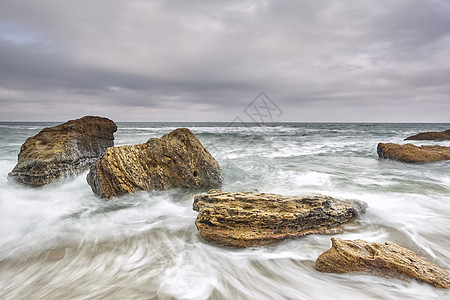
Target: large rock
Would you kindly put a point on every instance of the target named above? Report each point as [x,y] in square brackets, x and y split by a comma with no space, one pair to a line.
[413,154]
[63,150]
[176,160]
[245,219]
[435,136]
[387,260]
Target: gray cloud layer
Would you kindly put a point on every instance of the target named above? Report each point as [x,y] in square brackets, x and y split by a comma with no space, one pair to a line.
[174,60]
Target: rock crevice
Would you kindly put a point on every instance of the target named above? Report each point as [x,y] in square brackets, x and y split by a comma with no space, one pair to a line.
[176,160]
[245,219]
[413,154]
[63,150]
[431,136]
[387,259]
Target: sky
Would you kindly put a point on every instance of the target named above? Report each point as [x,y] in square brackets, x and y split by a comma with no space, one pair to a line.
[178,60]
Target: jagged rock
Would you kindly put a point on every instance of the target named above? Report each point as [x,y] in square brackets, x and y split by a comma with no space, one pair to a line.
[387,260]
[176,160]
[245,219]
[63,150]
[435,136]
[412,153]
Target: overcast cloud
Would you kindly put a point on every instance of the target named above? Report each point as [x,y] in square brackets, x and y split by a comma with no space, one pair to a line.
[178,60]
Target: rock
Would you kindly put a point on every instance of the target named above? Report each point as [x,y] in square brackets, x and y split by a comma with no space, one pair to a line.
[387,260]
[413,154]
[245,219]
[176,160]
[435,136]
[63,150]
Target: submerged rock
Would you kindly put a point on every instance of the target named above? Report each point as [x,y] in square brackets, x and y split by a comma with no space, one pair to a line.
[63,150]
[386,259]
[176,160]
[413,154]
[245,219]
[435,136]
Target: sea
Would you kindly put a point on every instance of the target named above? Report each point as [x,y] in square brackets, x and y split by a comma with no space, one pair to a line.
[61,241]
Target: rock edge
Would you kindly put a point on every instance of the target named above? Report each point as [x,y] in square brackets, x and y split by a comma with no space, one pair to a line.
[386,260]
[63,150]
[245,219]
[413,154]
[432,136]
[176,160]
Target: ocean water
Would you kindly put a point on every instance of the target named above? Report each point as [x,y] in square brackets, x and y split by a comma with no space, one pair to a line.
[62,242]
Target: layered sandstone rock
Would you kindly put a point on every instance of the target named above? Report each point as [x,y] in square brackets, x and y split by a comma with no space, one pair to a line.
[63,150]
[434,136]
[246,218]
[388,259]
[176,160]
[413,154]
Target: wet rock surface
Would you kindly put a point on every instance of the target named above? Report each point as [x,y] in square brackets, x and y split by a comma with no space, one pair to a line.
[63,150]
[387,260]
[413,154]
[245,219]
[176,160]
[434,136]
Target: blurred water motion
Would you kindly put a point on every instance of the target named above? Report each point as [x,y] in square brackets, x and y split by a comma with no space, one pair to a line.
[62,242]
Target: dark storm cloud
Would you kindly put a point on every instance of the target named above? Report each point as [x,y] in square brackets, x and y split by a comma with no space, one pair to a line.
[206,60]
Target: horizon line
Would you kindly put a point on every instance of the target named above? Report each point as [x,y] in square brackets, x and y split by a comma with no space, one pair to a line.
[256,123]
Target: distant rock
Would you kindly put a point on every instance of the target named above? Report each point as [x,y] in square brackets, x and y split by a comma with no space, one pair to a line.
[435,136]
[413,154]
[63,150]
[245,219]
[386,260]
[176,160]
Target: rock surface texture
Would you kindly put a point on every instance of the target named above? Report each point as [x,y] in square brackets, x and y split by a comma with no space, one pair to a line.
[246,219]
[413,154]
[435,136]
[387,260]
[63,150]
[176,160]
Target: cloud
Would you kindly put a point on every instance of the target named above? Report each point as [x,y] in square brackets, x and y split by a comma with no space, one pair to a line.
[206,60]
